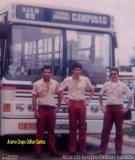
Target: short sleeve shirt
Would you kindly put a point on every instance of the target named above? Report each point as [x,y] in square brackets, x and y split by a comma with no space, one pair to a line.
[45,92]
[76,90]
[115,92]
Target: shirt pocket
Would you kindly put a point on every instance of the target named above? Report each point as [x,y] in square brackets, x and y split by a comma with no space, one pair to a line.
[82,86]
[42,92]
[109,92]
[119,92]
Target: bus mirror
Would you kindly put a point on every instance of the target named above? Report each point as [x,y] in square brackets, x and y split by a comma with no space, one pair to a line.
[114,39]
[3,31]
[0,74]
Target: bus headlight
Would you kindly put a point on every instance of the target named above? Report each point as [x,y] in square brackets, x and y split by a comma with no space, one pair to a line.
[94,108]
[20,107]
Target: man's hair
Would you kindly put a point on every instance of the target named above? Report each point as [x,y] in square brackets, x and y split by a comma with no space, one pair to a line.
[46,67]
[76,65]
[114,69]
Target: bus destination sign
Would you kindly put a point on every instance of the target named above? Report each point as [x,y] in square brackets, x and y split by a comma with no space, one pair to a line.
[62,16]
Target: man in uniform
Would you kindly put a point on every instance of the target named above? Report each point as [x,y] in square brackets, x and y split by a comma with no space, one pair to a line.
[44,109]
[76,85]
[115,90]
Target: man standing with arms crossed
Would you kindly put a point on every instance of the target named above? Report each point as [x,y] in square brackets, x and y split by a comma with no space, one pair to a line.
[115,90]
[44,109]
[76,85]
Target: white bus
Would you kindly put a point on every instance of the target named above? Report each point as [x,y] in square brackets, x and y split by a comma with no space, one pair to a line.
[32,36]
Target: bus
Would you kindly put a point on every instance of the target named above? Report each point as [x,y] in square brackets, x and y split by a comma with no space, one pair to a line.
[34,35]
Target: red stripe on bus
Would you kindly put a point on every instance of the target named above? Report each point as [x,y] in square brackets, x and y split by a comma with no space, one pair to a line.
[7,88]
[12,88]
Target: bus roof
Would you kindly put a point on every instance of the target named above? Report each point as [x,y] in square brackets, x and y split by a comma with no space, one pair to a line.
[59,17]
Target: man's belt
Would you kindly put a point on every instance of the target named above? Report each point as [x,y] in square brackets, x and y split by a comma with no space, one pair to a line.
[47,107]
[76,101]
[114,105]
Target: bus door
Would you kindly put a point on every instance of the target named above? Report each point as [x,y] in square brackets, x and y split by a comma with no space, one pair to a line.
[1,53]
[2,66]
[1,48]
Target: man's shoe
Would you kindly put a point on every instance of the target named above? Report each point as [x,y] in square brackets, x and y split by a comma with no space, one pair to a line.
[72,153]
[84,153]
[118,153]
[55,155]
[38,156]
[99,152]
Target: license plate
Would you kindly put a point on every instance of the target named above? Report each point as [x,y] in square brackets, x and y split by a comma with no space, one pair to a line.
[62,126]
[27,126]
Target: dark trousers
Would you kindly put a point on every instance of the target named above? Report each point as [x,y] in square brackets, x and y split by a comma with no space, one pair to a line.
[46,121]
[77,118]
[114,114]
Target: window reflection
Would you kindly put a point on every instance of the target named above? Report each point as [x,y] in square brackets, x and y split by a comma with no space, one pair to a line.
[92,50]
[89,46]
[33,47]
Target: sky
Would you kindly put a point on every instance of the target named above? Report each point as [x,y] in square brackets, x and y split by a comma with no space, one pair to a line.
[122,10]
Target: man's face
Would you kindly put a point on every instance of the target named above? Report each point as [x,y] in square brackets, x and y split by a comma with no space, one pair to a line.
[76,71]
[114,75]
[46,74]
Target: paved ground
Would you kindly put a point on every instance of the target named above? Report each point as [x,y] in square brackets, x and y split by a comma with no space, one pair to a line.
[26,152]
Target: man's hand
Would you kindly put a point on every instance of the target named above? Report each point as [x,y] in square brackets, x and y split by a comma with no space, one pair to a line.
[87,102]
[57,108]
[103,108]
[36,114]
[66,101]
[124,109]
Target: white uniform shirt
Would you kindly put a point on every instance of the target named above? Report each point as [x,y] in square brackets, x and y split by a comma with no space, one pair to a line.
[45,92]
[115,92]
[76,88]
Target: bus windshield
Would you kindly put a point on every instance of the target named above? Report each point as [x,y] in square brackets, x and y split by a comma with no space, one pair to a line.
[32,47]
